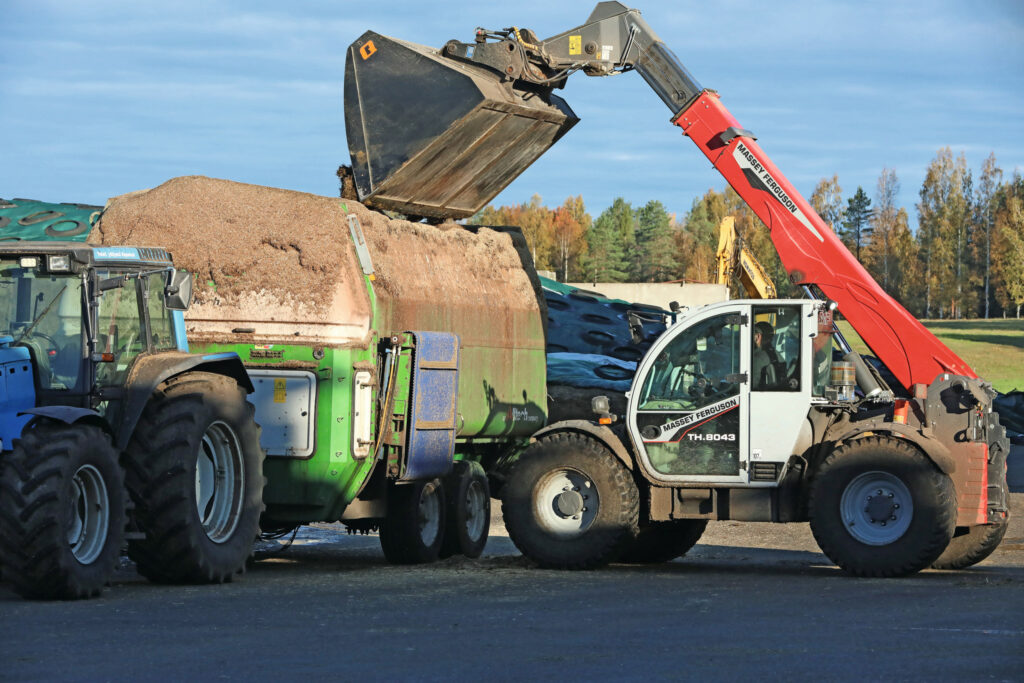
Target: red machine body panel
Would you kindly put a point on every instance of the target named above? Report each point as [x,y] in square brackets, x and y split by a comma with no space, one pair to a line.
[810,250]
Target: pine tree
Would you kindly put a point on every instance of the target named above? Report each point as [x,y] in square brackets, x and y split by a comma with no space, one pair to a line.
[607,243]
[856,227]
[654,241]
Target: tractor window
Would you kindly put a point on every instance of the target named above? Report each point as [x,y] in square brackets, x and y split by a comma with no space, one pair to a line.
[775,349]
[119,331]
[161,326]
[43,312]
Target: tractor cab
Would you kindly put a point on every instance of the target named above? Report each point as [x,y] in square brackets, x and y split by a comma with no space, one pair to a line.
[85,313]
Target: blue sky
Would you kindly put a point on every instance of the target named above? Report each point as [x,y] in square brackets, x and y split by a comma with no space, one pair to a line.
[100,98]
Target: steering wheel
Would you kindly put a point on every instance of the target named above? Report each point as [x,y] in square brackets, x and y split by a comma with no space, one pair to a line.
[41,356]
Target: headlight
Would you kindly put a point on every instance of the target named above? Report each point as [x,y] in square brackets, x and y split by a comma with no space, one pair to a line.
[58,264]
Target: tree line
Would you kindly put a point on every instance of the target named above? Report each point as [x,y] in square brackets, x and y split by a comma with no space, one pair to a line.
[965,260]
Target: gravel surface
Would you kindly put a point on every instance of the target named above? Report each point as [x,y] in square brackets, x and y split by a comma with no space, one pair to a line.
[750,601]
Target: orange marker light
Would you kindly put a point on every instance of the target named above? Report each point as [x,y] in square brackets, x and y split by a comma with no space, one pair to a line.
[899,411]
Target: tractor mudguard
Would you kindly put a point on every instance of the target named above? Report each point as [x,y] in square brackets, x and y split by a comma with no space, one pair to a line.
[603,434]
[68,415]
[150,370]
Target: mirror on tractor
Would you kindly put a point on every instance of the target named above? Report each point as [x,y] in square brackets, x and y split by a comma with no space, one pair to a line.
[178,294]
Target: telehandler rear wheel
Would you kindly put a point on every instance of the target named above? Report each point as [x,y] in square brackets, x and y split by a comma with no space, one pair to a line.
[569,504]
[62,511]
[663,541]
[195,472]
[879,507]
[469,511]
[413,530]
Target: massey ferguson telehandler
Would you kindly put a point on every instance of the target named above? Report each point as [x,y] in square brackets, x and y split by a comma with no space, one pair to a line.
[743,410]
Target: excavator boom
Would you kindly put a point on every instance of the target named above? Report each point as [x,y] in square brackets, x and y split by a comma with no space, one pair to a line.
[734,258]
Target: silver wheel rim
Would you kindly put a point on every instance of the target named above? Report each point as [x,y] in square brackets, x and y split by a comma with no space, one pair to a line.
[429,513]
[877,508]
[220,482]
[476,510]
[566,502]
[88,514]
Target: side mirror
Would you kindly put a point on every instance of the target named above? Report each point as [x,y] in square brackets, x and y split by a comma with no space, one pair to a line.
[178,294]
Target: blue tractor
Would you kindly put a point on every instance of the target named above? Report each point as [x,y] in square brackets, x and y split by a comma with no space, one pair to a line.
[111,433]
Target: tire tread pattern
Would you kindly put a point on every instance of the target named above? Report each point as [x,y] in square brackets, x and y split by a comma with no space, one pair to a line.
[594,548]
[918,548]
[34,477]
[160,476]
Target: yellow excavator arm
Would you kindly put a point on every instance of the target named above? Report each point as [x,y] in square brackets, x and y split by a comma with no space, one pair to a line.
[735,259]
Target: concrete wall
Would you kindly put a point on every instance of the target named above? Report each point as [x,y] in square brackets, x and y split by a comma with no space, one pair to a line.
[658,294]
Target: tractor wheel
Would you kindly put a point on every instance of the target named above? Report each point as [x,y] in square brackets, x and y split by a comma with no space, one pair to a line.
[195,473]
[879,507]
[663,541]
[469,511]
[413,530]
[62,511]
[569,504]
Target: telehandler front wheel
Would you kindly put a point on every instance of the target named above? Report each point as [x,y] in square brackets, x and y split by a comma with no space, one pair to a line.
[413,530]
[469,510]
[569,504]
[879,507]
[195,472]
[62,511]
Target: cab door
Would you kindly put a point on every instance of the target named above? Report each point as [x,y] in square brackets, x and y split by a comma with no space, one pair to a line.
[688,411]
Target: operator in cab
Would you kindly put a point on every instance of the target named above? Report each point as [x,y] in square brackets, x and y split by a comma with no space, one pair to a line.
[764,360]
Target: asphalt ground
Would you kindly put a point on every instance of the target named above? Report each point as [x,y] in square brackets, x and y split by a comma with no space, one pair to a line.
[751,600]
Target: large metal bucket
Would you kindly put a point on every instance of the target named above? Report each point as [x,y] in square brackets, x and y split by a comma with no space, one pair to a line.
[431,136]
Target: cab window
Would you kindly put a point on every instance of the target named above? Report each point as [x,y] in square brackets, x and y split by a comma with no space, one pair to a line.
[43,312]
[699,367]
[119,332]
[775,348]
[161,325]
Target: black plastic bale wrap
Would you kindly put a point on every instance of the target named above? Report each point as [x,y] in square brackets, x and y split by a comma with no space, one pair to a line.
[431,136]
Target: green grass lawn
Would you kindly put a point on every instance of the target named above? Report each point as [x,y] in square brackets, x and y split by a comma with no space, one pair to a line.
[993,348]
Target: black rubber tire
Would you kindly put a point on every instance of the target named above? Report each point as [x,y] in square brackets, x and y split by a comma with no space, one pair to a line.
[401,531]
[931,492]
[972,547]
[161,465]
[464,487]
[36,494]
[615,524]
[663,541]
